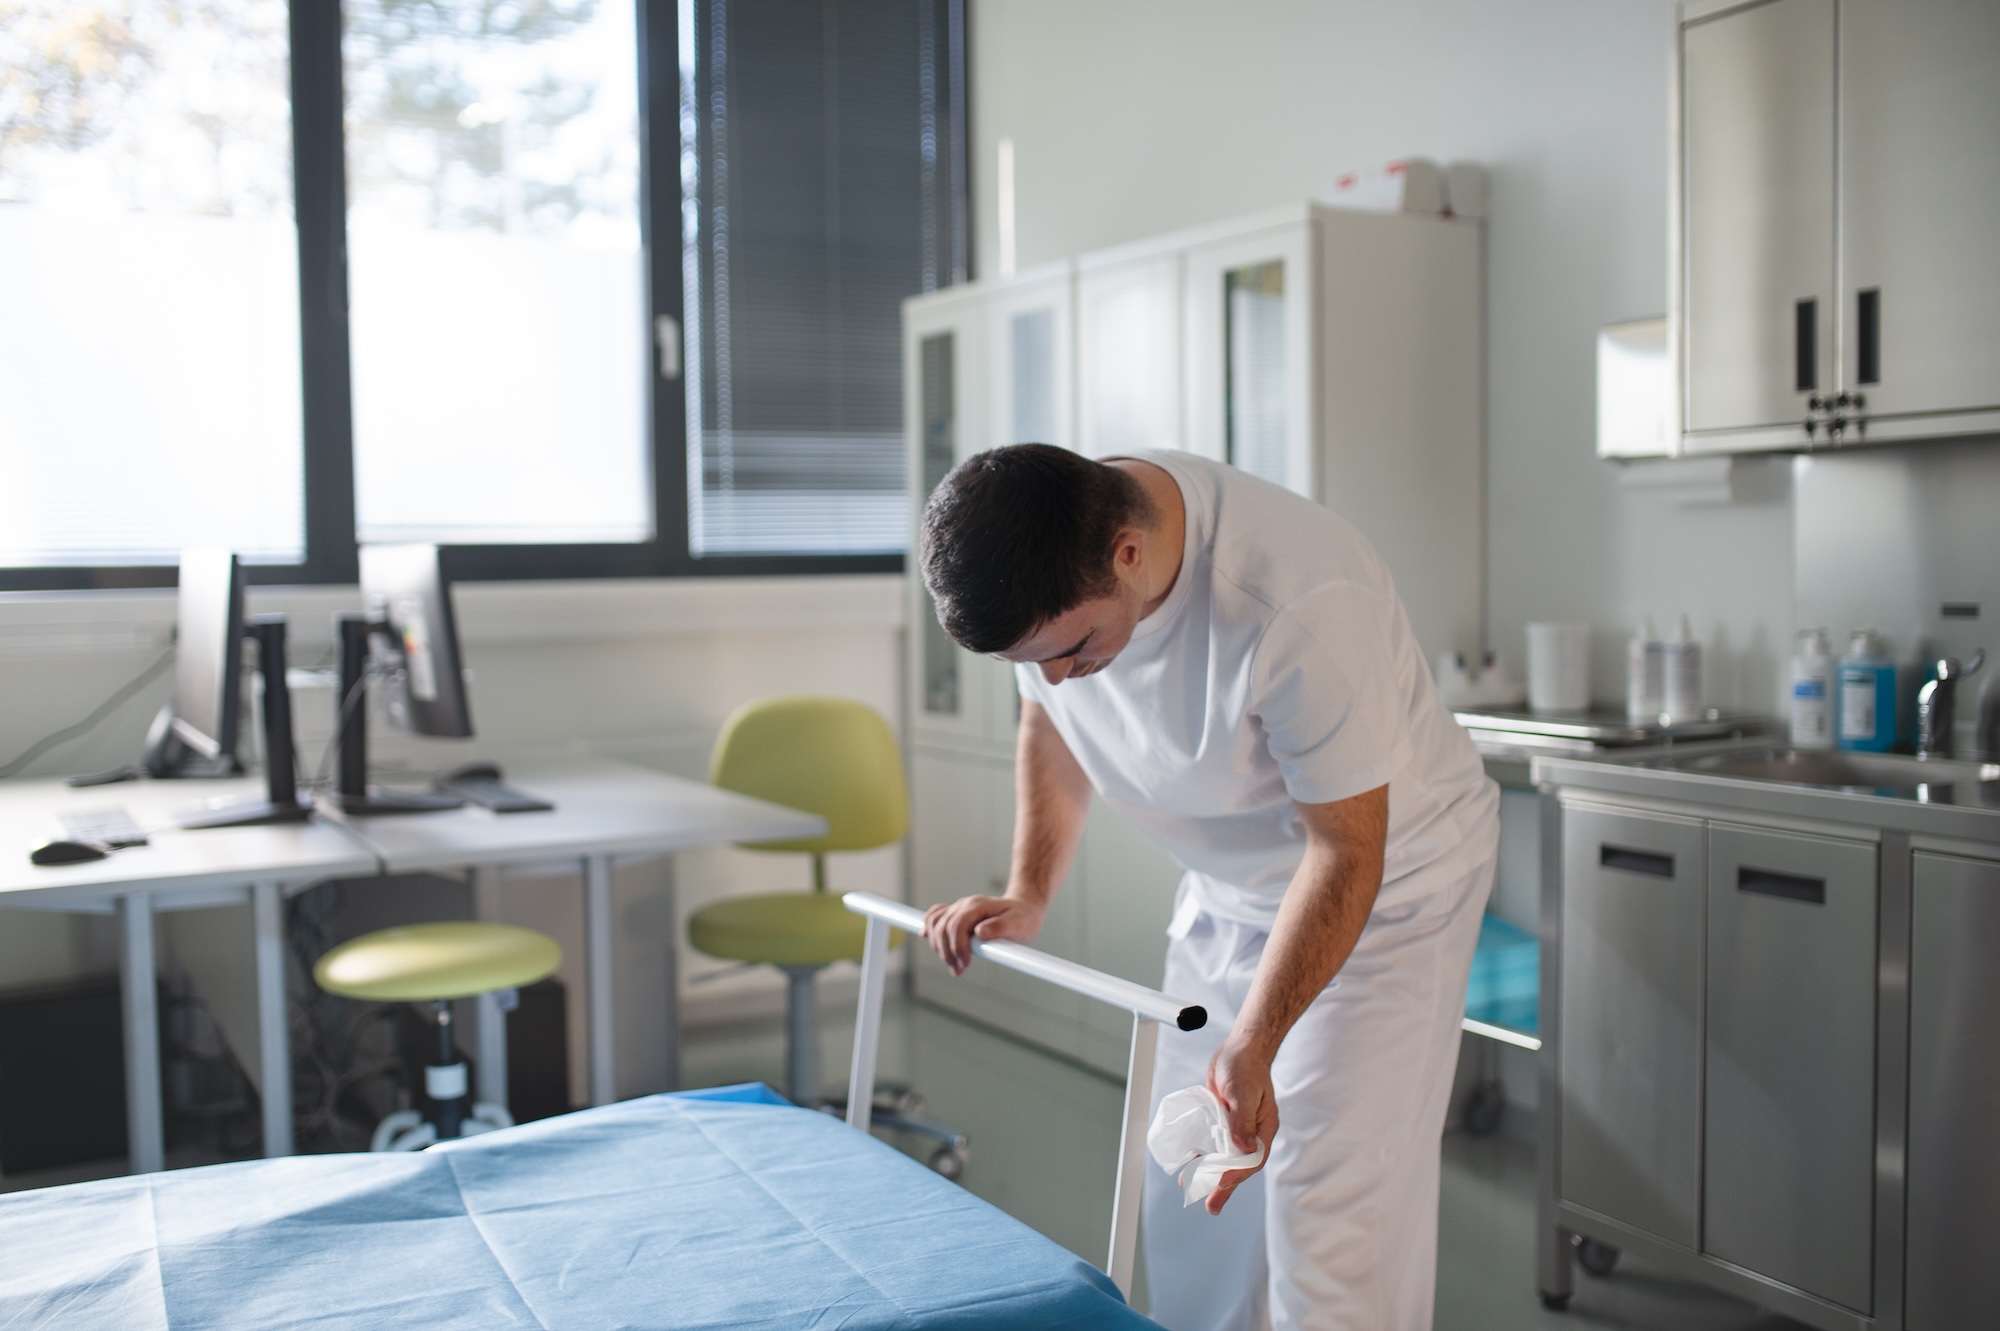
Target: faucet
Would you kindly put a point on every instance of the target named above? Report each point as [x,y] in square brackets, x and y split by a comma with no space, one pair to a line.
[1937,707]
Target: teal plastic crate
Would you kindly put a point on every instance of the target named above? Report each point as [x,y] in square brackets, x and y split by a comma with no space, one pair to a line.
[1506,983]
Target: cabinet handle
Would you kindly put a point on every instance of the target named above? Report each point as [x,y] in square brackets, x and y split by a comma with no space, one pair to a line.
[1805,346]
[1636,861]
[1868,339]
[1790,886]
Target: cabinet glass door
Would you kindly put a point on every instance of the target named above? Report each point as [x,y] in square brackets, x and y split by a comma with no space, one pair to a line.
[1248,386]
[1757,181]
[1254,377]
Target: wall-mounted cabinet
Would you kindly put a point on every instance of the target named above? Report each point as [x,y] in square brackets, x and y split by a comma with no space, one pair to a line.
[1336,353]
[1836,175]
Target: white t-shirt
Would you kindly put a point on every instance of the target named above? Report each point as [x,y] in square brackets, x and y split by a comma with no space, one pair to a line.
[1281,668]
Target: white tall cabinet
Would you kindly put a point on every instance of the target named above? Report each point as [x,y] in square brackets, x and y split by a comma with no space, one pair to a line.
[1337,353]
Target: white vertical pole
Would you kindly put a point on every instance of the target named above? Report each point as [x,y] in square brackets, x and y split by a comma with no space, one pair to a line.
[868,1025]
[145,1127]
[491,1047]
[671,1036]
[1132,1152]
[597,978]
[274,1046]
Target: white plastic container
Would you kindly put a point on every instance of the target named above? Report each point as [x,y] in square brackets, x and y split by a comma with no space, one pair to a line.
[1558,667]
[1812,691]
[1681,668]
[1645,675]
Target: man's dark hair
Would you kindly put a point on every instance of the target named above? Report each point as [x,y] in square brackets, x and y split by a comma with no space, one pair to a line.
[1015,536]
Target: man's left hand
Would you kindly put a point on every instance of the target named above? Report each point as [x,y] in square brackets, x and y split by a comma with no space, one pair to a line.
[1241,1080]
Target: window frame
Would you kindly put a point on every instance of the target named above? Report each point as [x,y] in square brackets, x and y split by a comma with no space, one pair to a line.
[320,203]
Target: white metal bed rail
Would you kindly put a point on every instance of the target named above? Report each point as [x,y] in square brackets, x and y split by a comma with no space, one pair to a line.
[1149,1008]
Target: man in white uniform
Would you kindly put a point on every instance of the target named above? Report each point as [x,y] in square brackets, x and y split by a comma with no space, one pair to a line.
[1229,666]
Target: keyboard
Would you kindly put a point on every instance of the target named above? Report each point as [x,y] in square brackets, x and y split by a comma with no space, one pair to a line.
[112,827]
[490,793]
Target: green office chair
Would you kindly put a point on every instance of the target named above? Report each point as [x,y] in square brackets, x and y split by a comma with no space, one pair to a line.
[435,963]
[834,757]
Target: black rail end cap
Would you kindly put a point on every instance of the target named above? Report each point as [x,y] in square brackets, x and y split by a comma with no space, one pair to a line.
[1192,1018]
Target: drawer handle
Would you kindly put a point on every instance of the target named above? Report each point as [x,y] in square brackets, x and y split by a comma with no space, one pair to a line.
[1868,354]
[1636,861]
[1805,346]
[1790,886]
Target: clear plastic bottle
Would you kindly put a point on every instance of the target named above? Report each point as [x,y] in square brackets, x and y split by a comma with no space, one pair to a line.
[1812,691]
[1681,668]
[1645,675]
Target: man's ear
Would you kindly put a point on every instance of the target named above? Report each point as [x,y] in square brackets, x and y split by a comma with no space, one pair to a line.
[1129,548]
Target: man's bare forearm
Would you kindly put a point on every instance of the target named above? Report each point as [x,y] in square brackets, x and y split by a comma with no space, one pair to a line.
[1052,799]
[1322,916]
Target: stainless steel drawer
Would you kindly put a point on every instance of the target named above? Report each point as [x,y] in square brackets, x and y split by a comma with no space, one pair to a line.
[1788,1163]
[1629,1034]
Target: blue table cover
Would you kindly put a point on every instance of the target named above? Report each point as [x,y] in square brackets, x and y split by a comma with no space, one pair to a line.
[1505,987]
[717,1210]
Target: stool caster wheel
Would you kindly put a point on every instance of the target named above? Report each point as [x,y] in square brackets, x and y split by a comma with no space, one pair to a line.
[1555,1303]
[949,1161]
[1483,1109]
[1600,1259]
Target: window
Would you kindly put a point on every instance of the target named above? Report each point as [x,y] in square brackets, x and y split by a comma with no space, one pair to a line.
[288,278]
[149,356]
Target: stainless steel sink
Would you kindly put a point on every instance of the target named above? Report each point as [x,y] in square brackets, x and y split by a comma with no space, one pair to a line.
[1838,769]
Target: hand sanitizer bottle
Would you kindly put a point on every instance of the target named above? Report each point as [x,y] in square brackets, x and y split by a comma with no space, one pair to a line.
[1681,666]
[1867,694]
[1812,691]
[1645,676]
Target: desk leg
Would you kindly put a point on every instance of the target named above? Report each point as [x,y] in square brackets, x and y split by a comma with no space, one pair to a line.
[274,1046]
[672,1034]
[492,1044]
[597,977]
[145,1124]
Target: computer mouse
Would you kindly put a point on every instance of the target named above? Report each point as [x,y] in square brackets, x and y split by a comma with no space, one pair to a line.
[67,852]
[475,772]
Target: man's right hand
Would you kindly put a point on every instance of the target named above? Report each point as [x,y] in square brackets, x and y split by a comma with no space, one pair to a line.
[951,928]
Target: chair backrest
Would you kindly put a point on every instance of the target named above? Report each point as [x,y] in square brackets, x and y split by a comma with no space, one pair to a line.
[831,756]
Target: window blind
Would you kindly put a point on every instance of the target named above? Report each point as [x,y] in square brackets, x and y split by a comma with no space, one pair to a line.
[822,180]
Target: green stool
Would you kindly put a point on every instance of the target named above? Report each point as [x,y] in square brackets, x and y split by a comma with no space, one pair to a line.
[834,757]
[435,963]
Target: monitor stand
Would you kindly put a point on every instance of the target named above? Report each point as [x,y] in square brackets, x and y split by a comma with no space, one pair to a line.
[352,794]
[281,783]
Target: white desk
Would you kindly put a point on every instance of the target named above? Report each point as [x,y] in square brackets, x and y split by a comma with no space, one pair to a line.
[605,811]
[179,870]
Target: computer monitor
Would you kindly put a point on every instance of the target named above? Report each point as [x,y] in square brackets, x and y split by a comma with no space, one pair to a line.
[208,693]
[208,658]
[406,644]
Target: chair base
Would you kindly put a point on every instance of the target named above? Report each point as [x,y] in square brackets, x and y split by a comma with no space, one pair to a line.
[409,1130]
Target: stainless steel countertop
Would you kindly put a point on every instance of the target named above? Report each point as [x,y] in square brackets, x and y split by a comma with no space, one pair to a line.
[1968,811]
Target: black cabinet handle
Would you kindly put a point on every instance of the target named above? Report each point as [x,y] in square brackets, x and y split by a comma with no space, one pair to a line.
[1636,861]
[1805,346]
[1868,336]
[1790,886]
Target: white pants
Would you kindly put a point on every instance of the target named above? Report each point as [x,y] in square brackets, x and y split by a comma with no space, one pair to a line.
[1340,1229]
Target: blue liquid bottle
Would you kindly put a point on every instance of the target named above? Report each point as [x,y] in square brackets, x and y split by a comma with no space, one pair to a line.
[1867,694]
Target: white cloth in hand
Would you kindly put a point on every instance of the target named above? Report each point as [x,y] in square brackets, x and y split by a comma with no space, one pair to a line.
[1190,1138]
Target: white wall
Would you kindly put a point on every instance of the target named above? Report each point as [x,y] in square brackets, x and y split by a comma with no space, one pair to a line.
[1130,117]
[640,669]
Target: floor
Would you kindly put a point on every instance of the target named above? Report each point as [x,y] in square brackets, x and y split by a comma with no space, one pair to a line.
[1044,1143]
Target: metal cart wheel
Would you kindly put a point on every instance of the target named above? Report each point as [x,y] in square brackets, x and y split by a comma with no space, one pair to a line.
[1483,1109]
[1600,1259]
[949,1161]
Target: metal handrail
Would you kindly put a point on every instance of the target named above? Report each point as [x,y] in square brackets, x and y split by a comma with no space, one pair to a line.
[1149,1008]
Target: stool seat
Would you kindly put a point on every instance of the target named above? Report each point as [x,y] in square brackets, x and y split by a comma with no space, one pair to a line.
[780,929]
[417,963]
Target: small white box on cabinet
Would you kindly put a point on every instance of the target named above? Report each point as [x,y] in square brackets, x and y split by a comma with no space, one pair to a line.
[1634,390]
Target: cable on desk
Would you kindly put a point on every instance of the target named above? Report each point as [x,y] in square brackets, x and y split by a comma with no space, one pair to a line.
[91,722]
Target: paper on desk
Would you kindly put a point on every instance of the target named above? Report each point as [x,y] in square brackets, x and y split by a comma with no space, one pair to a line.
[1190,1138]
